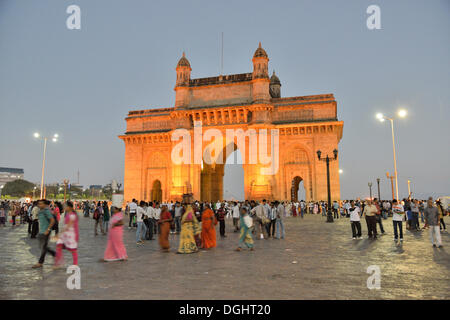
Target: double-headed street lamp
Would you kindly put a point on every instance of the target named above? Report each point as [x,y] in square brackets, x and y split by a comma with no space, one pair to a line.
[55,137]
[327,160]
[401,113]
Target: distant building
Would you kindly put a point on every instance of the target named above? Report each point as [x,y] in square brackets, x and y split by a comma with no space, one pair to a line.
[10,174]
[95,187]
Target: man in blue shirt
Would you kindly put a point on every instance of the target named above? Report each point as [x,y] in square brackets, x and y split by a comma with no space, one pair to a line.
[46,222]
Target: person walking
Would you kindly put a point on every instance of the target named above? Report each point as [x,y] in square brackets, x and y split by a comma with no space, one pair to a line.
[335,210]
[69,237]
[245,237]
[208,228]
[259,213]
[149,222]
[46,222]
[189,230]
[221,213]
[378,215]
[272,215]
[441,215]
[355,220]
[2,215]
[98,217]
[178,214]
[432,220]
[105,217]
[279,220]
[115,249]
[35,220]
[370,211]
[415,215]
[156,217]
[86,209]
[398,214]
[165,222]
[236,217]
[141,228]
[132,207]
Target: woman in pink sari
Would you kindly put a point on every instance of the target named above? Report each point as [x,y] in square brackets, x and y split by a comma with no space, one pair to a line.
[115,250]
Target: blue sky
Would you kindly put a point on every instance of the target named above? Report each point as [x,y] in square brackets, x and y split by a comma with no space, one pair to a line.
[82,83]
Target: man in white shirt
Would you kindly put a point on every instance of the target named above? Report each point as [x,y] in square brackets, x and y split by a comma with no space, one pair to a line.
[141,228]
[156,215]
[151,222]
[218,205]
[355,220]
[398,215]
[258,213]
[133,207]
[35,220]
[178,213]
[236,216]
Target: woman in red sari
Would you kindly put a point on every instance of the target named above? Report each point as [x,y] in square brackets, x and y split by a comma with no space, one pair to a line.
[294,210]
[209,223]
[165,221]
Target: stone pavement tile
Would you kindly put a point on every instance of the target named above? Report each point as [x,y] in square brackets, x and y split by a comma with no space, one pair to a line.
[329,265]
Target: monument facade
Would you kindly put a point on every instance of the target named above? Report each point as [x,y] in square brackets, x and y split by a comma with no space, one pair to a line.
[250,102]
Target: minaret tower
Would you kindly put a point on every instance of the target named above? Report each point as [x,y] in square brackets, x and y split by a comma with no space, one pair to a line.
[182,85]
[260,76]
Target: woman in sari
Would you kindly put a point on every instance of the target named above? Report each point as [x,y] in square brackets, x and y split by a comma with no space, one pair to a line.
[165,221]
[189,229]
[115,249]
[69,237]
[246,231]
[209,223]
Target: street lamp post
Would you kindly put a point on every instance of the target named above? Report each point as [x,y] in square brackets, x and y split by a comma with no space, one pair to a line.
[409,189]
[327,160]
[34,191]
[378,184]
[65,188]
[54,139]
[392,184]
[370,190]
[401,113]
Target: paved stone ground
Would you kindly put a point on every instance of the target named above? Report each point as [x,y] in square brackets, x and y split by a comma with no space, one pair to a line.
[330,265]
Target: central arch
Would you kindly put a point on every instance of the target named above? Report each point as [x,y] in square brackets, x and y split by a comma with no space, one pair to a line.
[298,188]
[156,192]
[212,175]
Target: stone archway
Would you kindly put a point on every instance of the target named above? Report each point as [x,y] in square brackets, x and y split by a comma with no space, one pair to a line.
[211,179]
[296,182]
[156,192]
[298,169]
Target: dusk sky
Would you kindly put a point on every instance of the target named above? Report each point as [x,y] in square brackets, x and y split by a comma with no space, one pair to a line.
[82,83]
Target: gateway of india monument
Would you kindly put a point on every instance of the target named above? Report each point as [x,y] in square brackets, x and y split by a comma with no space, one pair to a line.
[248,101]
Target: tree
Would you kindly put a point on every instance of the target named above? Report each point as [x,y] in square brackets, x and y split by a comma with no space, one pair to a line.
[107,191]
[18,188]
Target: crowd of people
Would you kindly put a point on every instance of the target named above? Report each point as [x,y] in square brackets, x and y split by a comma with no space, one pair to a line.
[196,222]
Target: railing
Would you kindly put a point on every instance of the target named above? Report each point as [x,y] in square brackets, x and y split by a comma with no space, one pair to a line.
[293,115]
